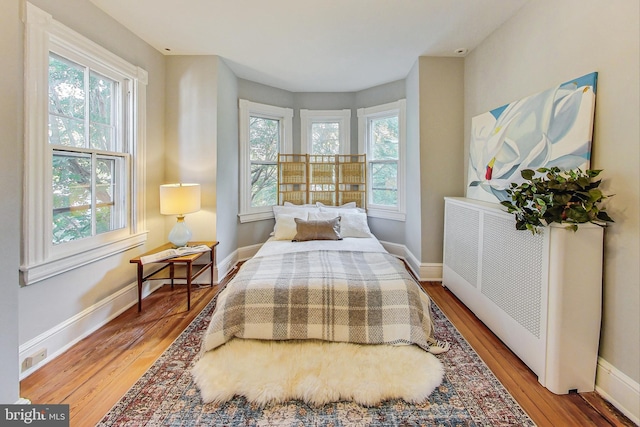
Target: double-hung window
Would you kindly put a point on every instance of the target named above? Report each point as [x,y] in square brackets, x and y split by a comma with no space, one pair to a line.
[325,132]
[89,162]
[84,155]
[381,131]
[265,131]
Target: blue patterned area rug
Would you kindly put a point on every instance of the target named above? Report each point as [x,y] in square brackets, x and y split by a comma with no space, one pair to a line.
[470,395]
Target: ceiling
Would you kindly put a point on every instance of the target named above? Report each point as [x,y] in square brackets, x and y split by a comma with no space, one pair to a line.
[314,46]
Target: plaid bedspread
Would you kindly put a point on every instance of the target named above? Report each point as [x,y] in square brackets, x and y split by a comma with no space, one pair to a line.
[357,297]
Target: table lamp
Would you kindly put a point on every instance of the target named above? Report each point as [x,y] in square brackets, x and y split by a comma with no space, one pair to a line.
[179,199]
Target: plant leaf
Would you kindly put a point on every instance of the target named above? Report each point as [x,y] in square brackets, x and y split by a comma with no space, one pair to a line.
[527,174]
[595,194]
[603,216]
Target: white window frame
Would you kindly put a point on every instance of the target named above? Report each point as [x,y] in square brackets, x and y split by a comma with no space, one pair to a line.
[309,117]
[365,115]
[41,259]
[248,109]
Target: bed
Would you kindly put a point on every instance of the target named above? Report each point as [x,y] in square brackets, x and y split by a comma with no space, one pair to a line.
[321,313]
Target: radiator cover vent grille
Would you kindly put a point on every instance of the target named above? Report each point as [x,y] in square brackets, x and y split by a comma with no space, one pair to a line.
[512,271]
[461,249]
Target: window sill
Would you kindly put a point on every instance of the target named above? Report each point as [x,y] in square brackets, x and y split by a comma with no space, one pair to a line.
[31,274]
[386,214]
[255,216]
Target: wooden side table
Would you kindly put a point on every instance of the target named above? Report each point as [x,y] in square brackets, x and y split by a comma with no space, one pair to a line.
[191,273]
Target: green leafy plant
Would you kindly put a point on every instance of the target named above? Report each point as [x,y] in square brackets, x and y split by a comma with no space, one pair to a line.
[569,197]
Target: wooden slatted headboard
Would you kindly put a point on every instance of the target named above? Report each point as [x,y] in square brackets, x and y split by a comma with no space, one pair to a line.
[330,179]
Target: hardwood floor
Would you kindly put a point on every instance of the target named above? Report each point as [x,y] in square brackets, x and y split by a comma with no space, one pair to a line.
[93,375]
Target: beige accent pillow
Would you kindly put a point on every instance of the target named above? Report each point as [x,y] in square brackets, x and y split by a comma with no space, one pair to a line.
[285,228]
[352,224]
[328,229]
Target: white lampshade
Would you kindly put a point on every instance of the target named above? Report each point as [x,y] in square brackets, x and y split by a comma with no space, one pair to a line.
[179,199]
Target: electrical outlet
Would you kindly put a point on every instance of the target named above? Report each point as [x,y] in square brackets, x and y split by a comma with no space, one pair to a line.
[39,356]
[34,359]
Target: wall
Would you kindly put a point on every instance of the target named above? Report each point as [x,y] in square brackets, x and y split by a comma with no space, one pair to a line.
[191,138]
[202,144]
[77,292]
[228,158]
[413,223]
[441,146]
[10,176]
[547,43]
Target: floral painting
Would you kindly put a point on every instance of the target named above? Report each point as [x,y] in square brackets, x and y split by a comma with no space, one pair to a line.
[551,128]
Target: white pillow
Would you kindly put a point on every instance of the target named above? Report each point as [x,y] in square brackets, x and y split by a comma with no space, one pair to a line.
[294,210]
[345,206]
[323,216]
[354,225]
[340,211]
[286,228]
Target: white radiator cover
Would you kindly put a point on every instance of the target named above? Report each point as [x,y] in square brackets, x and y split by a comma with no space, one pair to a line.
[540,294]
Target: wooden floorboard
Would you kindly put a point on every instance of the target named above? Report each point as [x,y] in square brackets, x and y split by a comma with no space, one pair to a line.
[96,372]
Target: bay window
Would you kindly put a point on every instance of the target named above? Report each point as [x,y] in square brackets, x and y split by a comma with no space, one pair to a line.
[325,132]
[265,131]
[382,138]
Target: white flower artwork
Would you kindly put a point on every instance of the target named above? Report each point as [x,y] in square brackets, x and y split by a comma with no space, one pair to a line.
[551,128]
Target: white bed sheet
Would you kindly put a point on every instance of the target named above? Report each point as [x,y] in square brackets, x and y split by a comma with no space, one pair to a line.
[360,244]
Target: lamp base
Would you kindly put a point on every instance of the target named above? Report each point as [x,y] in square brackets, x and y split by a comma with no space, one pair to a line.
[180,233]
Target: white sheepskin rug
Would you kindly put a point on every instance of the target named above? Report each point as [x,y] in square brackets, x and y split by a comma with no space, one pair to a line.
[316,372]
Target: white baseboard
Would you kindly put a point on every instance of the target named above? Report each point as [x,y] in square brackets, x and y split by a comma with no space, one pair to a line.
[620,390]
[431,272]
[425,272]
[64,335]
[395,249]
[226,265]
[247,252]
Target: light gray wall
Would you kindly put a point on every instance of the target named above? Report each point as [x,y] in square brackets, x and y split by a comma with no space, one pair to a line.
[413,224]
[49,303]
[228,161]
[191,128]
[378,95]
[256,92]
[202,143]
[549,42]
[10,176]
[441,145]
